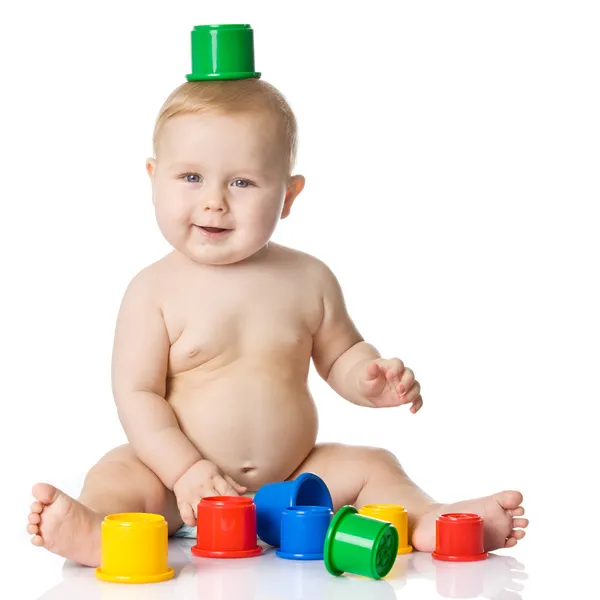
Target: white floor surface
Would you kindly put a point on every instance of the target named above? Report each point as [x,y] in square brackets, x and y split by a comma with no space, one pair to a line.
[268,576]
[503,576]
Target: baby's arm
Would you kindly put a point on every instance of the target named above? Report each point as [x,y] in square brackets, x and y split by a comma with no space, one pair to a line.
[338,348]
[351,366]
[139,375]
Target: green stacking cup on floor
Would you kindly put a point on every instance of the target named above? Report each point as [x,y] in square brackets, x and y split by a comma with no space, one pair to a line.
[360,545]
[222,52]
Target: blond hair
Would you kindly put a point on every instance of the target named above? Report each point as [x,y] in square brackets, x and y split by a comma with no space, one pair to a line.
[231,96]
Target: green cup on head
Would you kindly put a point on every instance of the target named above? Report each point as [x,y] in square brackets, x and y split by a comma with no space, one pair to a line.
[360,545]
[222,52]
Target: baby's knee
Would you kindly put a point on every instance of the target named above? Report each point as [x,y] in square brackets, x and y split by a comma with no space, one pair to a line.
[122,468]
[379,457]
[366,456]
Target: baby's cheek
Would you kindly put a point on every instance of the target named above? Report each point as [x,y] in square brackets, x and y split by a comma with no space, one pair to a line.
[267,218]
[264,230]
[171,212]
[172,223]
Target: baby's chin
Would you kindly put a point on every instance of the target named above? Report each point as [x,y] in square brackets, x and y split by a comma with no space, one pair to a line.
[220,256]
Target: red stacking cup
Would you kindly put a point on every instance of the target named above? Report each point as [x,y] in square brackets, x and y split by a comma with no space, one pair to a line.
[459,537]
[226,528]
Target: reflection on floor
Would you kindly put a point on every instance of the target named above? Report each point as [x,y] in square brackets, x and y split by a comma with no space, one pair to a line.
[267,576]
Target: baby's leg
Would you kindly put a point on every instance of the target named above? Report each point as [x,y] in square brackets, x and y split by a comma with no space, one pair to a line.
[360,475]
[119,482]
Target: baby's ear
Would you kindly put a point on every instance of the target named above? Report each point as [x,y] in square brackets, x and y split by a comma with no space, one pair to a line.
[151,167]
[295,186]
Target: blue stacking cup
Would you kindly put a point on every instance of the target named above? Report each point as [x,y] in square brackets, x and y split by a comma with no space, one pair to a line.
[272,499]
[303,531]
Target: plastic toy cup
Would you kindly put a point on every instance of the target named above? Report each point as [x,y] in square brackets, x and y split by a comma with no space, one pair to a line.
[303,531]
[272,499]
[459,537]
[394,514]
[360,545]
[135,549]
[226,528]
[222,52]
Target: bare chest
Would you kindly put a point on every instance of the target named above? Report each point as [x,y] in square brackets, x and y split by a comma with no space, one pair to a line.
[217,323]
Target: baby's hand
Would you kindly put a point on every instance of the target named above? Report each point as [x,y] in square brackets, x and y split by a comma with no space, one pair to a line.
[387,382]
[202,479]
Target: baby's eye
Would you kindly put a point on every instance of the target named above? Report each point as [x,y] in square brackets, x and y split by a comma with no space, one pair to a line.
[245,183]
[186,177]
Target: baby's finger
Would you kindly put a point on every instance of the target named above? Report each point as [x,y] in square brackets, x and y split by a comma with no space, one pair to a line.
[411,396]
[393,368]
[187,514]
[372,372]
[372,380]
[407,380]
[417,404]
[223,488]
[240,489]
[372,388]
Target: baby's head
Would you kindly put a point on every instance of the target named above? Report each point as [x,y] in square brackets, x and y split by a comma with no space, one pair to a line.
[224,152]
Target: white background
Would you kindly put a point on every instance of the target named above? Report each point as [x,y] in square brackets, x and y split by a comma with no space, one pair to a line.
[451,151]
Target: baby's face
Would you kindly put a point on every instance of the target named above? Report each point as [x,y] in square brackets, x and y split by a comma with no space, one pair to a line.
[220,185]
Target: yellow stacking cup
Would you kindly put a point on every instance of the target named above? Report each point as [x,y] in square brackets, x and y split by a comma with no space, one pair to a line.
[135,549]
[394,514]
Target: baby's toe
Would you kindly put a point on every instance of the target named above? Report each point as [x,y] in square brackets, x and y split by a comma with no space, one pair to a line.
[509,500]
[517,512]
[517,534]
[32,529]
[34,518]
[520,523]
[44,493]
[37,507]
[37,540]
[510,542]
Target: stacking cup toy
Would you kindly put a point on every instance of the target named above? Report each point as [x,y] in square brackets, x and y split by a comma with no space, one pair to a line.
[226,528]
[222,52]
[135,549]
[272,499]
[459,537]
[360,545]
[303,531]
[394,514]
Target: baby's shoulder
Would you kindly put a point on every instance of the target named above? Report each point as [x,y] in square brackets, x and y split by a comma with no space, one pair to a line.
[307,264]
[150,280]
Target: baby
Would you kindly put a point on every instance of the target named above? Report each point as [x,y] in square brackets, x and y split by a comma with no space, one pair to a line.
[213,344]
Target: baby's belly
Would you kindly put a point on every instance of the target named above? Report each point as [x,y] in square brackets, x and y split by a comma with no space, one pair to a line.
[256,424]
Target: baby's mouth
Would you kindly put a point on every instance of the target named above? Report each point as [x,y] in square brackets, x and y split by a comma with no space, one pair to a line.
[213,233]
[212,229]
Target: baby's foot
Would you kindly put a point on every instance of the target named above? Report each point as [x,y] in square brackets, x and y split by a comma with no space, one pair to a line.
[501,529]
[64,526]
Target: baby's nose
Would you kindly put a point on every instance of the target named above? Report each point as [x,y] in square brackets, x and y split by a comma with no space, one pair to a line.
[215,203]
